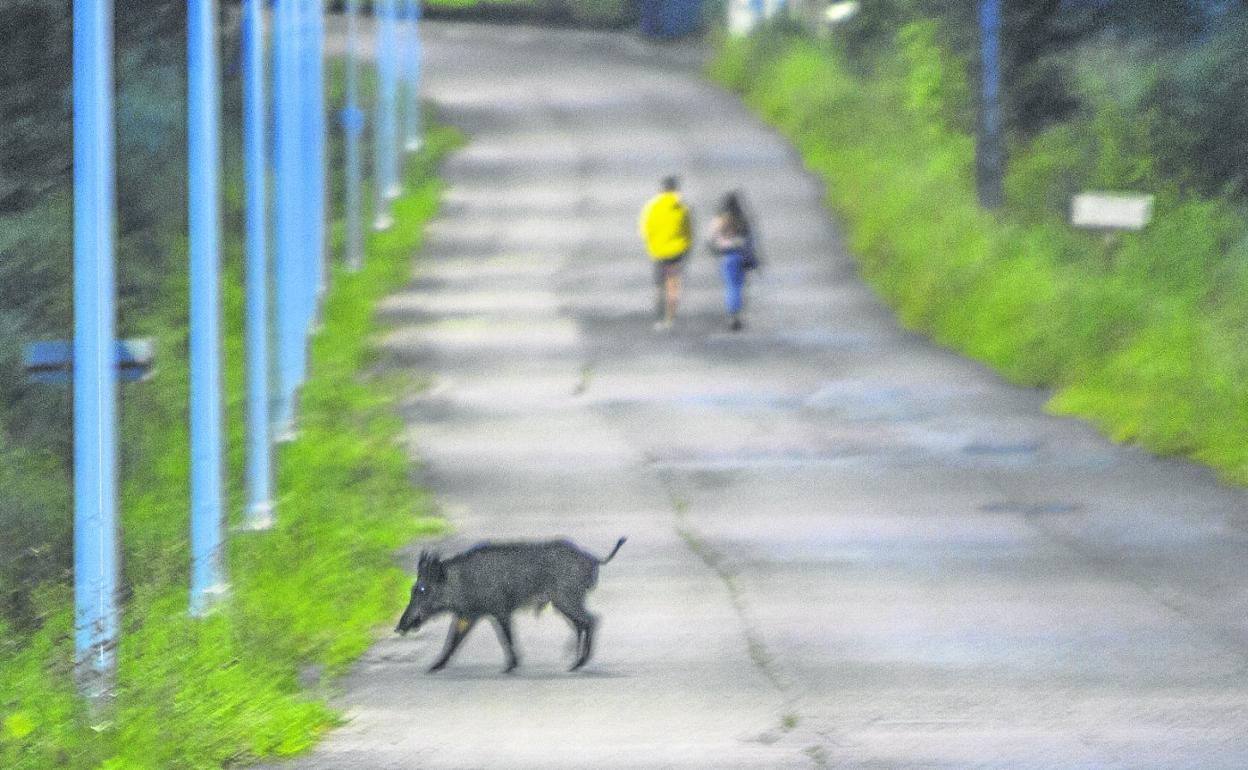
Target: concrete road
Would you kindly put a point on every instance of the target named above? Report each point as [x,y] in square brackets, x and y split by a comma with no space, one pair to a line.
[847,547]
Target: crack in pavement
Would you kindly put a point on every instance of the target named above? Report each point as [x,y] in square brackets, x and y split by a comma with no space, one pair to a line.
[767,662]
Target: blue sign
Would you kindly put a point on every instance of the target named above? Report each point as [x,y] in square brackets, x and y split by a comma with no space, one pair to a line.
[52,362]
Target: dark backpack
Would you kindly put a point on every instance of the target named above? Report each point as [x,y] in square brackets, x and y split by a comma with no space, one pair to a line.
[749,256]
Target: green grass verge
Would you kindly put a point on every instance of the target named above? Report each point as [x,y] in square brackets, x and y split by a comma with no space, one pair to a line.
[305,596]
[1145,334]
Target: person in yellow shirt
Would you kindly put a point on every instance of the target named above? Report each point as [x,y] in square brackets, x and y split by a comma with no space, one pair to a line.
[666,229]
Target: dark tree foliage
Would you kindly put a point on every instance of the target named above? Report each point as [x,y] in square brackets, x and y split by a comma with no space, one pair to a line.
[34,72]
[1035,34]
[1168,21]
[1200,105]
[35,83]
[1037,38]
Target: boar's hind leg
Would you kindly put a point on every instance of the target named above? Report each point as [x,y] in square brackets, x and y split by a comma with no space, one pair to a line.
[503,624]
[459,629]
[584,622]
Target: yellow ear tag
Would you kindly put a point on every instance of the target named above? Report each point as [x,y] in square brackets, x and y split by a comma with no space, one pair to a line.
[462,624]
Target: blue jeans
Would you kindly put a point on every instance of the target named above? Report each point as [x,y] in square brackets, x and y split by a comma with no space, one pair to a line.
[733,266]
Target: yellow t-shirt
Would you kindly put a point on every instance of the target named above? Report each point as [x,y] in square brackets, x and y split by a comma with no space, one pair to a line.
[664,226]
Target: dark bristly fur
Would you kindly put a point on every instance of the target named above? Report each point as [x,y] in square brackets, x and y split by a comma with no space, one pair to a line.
[494,580]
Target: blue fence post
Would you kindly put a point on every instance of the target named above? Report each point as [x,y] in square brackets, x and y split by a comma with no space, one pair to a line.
[385,139]
[319,191]
[308,248]
[990,166]
[203,124]
[352,126]
[287,276]
[390,82]
[411,76]
[95,372]
[298,249]
[259,512]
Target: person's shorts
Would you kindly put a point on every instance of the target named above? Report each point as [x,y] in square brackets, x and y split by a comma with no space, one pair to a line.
[665,267]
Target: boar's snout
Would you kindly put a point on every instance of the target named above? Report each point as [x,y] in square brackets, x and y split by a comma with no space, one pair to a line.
[424,602]
[412,617]
[406,623]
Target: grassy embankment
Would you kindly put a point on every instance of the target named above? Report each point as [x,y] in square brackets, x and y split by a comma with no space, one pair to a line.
[306,597]
[1145,334]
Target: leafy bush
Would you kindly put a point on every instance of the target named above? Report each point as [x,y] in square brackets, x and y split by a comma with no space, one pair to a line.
[33,483]
[935,84]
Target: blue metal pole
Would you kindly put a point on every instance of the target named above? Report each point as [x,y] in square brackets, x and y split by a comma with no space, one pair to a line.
[381,203]
[385,138]
[287,277]
[991,151]
[204,154]
[283,413]
[259,513]
[95,362]
[353,125]
[411,77]
[307,129]
[298,330]
[391,76]
[319,189]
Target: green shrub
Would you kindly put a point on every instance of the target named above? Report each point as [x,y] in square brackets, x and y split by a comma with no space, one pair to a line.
[934,82]
[33,483]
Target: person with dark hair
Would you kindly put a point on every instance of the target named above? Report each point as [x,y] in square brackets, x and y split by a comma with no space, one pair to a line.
[665,227]
[732,239]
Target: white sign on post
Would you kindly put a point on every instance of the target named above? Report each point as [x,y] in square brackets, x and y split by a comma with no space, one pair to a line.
[839,12]
[1111,211]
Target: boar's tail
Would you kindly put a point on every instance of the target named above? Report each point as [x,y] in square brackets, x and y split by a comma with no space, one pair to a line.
[619,543]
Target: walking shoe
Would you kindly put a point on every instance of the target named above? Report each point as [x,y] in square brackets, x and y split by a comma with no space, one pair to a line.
[735,325]
[662,326]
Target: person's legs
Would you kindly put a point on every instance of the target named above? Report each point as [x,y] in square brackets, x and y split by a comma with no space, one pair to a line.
[669,289]
[660,290]
[734,282]
[673,293]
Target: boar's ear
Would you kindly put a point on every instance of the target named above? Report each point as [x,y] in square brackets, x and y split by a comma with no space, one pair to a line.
[433,570]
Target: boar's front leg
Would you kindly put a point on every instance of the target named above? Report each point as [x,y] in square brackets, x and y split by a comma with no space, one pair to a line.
[460,627]
[503,623]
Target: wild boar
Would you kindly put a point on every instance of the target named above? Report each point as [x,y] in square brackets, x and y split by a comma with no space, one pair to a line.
[496,579]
